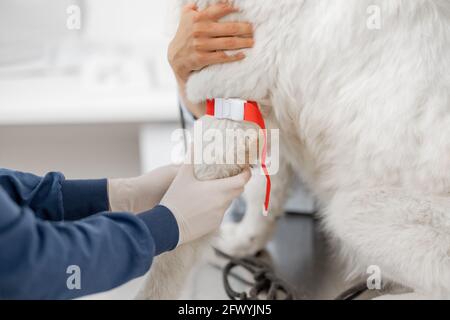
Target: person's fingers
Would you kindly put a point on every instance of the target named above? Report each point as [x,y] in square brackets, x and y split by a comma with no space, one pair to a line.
[220,57]
[189,7]
[236,183]
[217,11]
[228,29]
[166,172]
[223,29]
[229,43]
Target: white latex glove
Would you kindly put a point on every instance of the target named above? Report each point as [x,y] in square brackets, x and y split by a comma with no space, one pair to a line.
[199,206]
[137,195]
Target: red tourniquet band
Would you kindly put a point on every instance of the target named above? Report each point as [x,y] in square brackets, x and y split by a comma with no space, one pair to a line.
[252,114]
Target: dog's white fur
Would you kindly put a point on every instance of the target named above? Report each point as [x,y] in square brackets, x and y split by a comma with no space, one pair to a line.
[365,119]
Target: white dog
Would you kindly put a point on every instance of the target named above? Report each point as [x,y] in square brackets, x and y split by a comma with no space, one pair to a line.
[361,93]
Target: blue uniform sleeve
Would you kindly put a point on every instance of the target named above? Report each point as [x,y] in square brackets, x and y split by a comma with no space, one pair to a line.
[39,251]
[54,198]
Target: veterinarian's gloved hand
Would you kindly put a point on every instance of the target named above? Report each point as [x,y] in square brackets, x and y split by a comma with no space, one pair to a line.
[142,193]
[199,206]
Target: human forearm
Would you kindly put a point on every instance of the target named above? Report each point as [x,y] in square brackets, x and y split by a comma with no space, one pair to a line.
[107,249]
[54,198]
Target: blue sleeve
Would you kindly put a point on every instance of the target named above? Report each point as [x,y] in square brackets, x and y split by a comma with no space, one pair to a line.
[54,198]
[36,256]
[108,249]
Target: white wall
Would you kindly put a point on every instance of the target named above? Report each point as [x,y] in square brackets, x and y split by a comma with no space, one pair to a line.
[126,21]
[86,151]
[28,29]
[55,113]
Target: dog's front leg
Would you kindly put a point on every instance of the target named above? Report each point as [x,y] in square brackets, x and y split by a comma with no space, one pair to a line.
[404,236]
[170,271]
[253,233]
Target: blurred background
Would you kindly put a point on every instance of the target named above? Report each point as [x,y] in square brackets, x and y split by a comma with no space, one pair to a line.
[85,87]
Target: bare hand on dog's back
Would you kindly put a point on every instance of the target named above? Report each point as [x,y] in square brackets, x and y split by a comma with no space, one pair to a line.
[201,40]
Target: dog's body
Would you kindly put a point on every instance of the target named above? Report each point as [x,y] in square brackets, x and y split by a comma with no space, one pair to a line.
[365,119]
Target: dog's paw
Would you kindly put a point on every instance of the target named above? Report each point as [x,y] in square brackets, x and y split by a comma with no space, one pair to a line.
[238,242]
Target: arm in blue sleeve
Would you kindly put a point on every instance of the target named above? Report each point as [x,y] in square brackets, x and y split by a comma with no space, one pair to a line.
[109,250]
[54,198]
